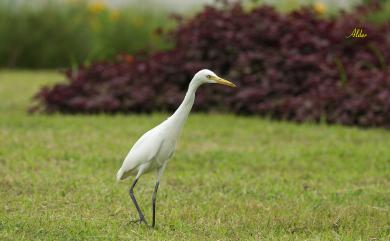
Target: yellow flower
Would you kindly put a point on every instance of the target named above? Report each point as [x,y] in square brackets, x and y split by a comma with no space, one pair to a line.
[96,7]
[320,7]
[114,15]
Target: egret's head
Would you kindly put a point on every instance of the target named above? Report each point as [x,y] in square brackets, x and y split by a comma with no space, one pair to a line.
[206,76]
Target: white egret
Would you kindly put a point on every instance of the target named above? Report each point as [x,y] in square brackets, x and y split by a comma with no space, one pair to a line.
[153,150]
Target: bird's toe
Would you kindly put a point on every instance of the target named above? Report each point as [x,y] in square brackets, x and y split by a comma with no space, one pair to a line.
[139,221]
[136,221]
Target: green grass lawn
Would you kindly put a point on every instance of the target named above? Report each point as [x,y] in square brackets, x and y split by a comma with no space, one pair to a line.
[232,178]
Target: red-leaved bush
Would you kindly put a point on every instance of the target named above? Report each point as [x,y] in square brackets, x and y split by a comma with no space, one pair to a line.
[297,67]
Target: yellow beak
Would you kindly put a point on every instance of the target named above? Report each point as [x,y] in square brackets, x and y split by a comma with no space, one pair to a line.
[223,81]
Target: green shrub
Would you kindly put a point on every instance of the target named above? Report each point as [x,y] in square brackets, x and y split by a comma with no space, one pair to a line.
[381,13]
[62,34]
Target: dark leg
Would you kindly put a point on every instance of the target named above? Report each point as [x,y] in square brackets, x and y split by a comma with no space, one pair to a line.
[154,203]
[141,215]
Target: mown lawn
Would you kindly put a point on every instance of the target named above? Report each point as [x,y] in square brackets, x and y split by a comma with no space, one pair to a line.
[232,178]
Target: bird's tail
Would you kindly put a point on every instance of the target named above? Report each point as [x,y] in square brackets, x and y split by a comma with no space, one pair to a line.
[119,175]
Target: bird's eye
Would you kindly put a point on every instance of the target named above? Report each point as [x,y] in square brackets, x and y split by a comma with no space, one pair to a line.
[208,76]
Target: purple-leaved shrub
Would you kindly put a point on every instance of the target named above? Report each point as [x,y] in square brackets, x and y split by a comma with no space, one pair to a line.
[296,66]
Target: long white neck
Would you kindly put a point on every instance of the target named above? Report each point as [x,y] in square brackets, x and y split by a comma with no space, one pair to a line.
[181,114]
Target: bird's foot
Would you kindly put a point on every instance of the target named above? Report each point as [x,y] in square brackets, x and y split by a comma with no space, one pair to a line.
[139,221]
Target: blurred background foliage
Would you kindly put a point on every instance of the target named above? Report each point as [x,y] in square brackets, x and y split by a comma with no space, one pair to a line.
[382,15]
[292,66]
[58,34]
[55,33]
[292,58]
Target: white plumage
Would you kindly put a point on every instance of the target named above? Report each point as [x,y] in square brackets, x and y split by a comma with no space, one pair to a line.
[153,150]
